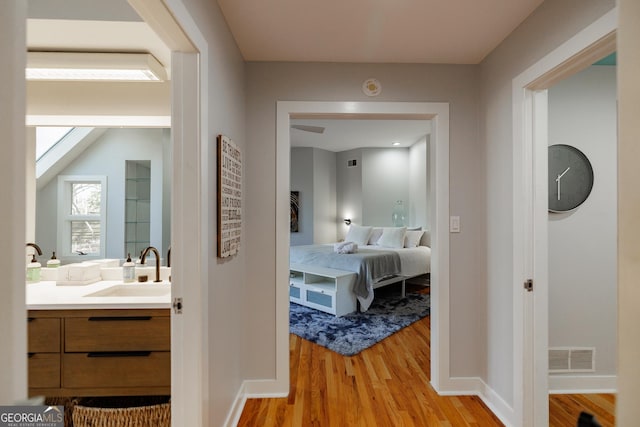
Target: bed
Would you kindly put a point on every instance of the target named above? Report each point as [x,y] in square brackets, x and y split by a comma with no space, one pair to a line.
[375,264]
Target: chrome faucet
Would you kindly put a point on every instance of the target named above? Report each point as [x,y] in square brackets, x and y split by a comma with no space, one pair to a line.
[157,254]
[36,247]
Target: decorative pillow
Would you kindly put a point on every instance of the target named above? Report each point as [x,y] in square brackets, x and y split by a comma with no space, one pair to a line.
[426,239]
[412,238]
[375,235]
[358,234]
[392,237]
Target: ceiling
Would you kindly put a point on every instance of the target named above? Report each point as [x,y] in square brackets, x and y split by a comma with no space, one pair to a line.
[342,135]
[378,31]
[373,31]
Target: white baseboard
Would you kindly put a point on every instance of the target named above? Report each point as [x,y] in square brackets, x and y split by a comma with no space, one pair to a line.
[582,384]
[252,389]
[237,407]
[265,389]
[465,386]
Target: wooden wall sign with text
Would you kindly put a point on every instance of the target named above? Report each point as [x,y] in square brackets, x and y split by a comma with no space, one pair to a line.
[229,197]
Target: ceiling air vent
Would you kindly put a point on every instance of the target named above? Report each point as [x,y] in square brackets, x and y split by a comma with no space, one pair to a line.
[352,163]
[572,359]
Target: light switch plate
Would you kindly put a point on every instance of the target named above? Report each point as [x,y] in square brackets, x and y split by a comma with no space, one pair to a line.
[454,224]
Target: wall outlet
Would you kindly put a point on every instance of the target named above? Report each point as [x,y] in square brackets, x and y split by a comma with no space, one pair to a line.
[454,224]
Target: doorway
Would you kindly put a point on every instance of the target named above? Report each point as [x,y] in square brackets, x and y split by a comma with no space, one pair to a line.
[531,312]
[438,113]
[189,115]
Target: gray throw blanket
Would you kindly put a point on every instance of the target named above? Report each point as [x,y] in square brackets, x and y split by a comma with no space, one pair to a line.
[371,265]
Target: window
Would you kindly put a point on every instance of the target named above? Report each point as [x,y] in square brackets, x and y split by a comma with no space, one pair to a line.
[82,215]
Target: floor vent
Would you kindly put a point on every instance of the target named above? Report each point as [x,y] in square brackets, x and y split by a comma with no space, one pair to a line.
[572,359]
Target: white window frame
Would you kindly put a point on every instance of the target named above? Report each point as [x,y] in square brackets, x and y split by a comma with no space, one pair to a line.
[65,217]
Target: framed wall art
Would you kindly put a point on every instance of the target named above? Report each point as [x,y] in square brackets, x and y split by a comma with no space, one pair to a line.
[229,194]
[295,208]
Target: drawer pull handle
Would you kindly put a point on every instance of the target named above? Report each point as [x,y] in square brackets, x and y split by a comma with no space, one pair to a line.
[31,355]
[118,319]
[30,319]
[120,354]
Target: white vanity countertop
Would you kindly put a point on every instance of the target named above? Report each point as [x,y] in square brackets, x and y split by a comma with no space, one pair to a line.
[46,295]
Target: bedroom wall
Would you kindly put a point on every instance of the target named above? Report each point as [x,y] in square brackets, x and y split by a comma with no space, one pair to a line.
[418,185]
[385,180]
[583,243]
[313,174]
[349,189]
[302,181]
[456,84]
[545,29]
[324,195]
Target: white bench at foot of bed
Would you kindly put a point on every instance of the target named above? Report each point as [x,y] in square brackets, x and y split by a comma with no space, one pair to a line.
[326,289]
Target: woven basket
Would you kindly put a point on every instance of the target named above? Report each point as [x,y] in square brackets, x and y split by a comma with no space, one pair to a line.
[140,416]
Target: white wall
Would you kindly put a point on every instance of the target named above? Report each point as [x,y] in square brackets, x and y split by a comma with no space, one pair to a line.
[418,210]
[324,196]
[227,311]
[349,189]
[385,180]
[546,28]
[627,408]
[457,84]
[13,327]
[302,173]
[107,156]
[583,243]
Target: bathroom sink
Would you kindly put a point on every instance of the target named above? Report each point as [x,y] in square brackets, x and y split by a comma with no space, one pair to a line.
[133,290]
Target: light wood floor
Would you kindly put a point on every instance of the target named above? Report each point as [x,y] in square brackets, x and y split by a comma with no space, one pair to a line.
[385,385]
[564,409]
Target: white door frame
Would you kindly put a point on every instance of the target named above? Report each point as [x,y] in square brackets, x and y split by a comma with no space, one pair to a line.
[438,113]
[174,24]
[530,240]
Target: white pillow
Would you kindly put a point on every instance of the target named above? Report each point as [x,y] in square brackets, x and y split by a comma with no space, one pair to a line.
[358,234]
[375,235]
[412,238]
[392,237]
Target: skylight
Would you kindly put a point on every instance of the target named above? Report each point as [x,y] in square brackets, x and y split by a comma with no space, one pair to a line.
[47,137]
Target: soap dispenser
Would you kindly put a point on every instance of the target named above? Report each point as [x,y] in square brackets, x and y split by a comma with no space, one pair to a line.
[33,270]
[128,270]
[53,262]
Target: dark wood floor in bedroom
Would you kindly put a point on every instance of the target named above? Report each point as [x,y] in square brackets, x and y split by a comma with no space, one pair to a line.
[385,385]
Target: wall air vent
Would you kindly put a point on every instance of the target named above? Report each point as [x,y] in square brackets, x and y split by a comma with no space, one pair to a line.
[352,163]
[572,359]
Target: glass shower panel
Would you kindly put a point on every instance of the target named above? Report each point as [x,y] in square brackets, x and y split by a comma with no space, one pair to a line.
[137,206]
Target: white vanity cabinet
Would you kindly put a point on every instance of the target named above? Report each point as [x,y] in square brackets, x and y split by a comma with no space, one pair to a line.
[325,289]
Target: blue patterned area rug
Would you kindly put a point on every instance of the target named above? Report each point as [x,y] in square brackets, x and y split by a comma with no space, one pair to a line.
[352,333]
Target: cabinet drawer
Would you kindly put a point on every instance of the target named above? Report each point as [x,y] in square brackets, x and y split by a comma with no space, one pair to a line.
[113,333]
[294,292]
[44,335]
[126,369]
[320,298]
[44,370]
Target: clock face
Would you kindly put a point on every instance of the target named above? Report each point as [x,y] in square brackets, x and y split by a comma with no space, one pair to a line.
[570,178]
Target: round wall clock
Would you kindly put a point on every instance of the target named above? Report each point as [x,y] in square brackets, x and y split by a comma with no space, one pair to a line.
[570,178]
